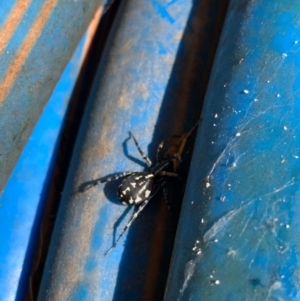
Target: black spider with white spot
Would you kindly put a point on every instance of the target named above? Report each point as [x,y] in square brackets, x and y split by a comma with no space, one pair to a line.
[138,188]
[135,188]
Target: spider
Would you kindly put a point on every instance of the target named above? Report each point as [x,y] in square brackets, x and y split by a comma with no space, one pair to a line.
[138,188]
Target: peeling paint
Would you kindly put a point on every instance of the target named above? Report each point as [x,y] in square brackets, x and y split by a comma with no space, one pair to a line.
[188,273]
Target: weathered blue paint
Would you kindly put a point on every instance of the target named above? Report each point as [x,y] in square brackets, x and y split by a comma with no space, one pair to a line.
[32,58]
[138,88]
[23,199]
[238,236]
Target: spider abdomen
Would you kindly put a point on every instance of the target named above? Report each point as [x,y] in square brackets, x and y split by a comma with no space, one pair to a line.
[135,188]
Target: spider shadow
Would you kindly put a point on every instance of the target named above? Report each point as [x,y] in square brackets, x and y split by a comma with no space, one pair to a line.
[109,188]
[118,223]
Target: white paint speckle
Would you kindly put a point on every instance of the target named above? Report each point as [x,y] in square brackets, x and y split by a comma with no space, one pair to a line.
[207,185]
[217,282]
[296,42]
[277,95]
[147,193]
[245,91]
[222,198]
[202,221]
[216,115]
[255,99]
[238,134]
[285,128]
[287,226]
[296,157]
[133,184]
[284,55]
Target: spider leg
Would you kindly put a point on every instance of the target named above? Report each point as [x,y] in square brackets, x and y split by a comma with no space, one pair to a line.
[173,174]
[133,218]
[168,174]
[166,198]
[160,166]
[87,185]
[159,149]
[166,193]
[145,158]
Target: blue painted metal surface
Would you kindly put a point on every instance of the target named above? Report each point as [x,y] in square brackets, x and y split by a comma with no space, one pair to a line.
[23,199]
[37,38]
[139,88]
[238,236]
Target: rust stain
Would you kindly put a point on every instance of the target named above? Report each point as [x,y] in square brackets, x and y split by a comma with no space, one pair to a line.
[123,101]
[25,48]
[12,22]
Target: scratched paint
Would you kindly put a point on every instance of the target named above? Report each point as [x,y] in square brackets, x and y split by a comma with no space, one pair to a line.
[242,199]
[37,38]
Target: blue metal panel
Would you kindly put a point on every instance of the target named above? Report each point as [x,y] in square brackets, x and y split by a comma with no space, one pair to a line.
[238,236]
[23,199]
[138,88]
[37,38]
